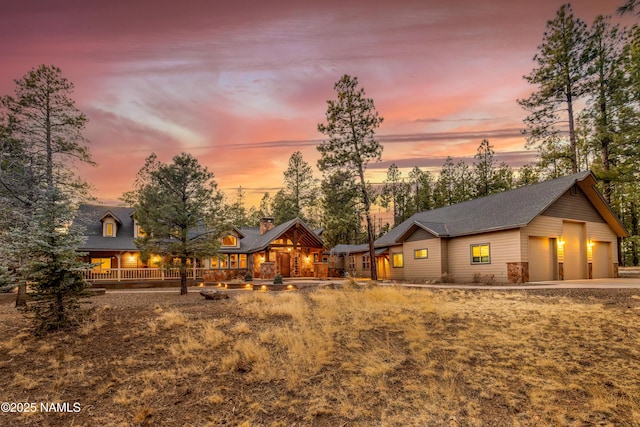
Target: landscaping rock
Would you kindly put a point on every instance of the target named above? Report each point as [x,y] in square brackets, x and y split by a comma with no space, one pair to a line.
[213,294]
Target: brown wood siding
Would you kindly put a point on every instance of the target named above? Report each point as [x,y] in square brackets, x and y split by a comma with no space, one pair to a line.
[574,205]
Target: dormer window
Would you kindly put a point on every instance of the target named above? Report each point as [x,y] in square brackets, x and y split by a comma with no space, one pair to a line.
[137,230]
[230,241]
[109,228]
[110,225]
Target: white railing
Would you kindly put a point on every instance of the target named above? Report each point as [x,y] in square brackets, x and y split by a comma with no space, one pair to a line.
[121,274]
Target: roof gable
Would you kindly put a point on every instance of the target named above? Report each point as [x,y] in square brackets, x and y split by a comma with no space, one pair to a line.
[108,214]
[307,236]
[501,211]
[91,217]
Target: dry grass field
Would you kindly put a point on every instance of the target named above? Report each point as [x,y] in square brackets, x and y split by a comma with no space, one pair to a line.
[380,356]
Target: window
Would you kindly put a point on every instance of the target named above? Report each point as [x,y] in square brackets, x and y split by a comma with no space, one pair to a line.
[480,254]
[101,264]
[109,229]
[352,262]
[137,230]
[229,261]
[220,261]
[224,261]
[397,260]
[230,241]
[366,262]
[421,253]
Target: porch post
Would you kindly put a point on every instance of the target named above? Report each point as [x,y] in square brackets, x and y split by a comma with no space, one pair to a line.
[118,270]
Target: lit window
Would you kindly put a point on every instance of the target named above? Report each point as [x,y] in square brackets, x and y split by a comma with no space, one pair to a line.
[138,231]
[234,260]
[397,260]
[421,253]
[243,260]
[109,232]
[101,264]
[224,261]
[480,254]
[230,241]
[220,261]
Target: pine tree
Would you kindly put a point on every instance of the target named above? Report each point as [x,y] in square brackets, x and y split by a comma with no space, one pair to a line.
[180,209]
[422,190]
[41,140]
[484,169]
[560,79]
[351,121]
[342,220]
[609,98]
[395,193]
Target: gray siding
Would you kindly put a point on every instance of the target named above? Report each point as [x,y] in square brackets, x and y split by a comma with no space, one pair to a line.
[420,234]
[573,204]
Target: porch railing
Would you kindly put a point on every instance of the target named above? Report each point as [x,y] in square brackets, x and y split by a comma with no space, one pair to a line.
[128,274]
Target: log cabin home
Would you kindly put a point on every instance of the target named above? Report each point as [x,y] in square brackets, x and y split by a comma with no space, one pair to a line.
[291,249]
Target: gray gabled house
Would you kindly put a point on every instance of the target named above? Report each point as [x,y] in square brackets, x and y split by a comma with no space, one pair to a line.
[555,230]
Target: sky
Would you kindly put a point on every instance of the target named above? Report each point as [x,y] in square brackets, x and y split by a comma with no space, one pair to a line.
[242,85]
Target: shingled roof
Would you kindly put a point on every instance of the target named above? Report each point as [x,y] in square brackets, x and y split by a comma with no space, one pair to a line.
[501,211]
[90,217]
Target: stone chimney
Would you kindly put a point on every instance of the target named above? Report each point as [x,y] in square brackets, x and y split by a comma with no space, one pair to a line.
[266,224]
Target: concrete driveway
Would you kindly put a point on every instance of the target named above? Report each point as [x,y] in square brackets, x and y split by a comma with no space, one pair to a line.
[626,283]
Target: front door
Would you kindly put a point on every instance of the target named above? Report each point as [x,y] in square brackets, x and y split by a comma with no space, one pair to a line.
[382,267]
[285,264]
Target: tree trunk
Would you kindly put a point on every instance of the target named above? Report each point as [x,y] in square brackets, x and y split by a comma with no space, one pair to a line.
[183,282]
[634,232]
[183,276]
[21,298]
[573,146]
[367,212]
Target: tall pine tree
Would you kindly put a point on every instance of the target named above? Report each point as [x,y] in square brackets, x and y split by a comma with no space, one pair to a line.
[351,122]
[560,78]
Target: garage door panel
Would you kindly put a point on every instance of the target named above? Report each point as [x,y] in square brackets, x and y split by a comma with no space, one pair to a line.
[575,251]
[601,260]
[542,259]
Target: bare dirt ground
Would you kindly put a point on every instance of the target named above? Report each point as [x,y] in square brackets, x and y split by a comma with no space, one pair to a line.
[381,356]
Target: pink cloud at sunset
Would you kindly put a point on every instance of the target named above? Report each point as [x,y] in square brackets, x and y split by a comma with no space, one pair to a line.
[242,85]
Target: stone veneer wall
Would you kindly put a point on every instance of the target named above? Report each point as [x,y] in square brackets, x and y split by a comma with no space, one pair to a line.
[518,272]
[267,270]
